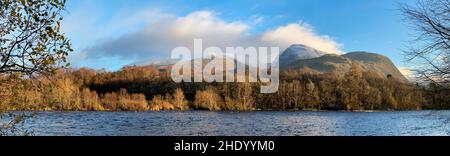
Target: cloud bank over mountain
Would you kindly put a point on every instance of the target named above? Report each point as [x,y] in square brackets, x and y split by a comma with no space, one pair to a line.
[163,31]
[301,34]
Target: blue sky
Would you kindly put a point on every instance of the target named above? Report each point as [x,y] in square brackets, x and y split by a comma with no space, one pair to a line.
[112,33]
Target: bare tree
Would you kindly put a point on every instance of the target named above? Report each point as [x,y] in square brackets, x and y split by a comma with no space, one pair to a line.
[430,50]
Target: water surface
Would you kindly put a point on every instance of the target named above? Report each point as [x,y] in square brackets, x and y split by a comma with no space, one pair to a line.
[200,123]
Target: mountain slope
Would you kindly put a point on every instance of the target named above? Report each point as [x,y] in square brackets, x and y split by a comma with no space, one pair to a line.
[298,52]
[377,64]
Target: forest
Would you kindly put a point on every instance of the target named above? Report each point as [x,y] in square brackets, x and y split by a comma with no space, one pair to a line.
[142,88]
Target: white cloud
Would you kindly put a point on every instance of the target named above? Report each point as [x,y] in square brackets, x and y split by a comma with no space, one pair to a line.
[205,23]
[301,34]
[257,19]
[163,32]
[407,72]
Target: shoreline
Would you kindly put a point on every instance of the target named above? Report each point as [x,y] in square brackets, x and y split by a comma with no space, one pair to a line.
[225,111]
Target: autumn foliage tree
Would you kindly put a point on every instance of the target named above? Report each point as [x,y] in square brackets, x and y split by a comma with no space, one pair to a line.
[179,100]
[208,99]
[31,40]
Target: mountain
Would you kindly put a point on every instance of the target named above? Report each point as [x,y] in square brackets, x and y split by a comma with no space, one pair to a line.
[377,64]
[298,52]
[298,56]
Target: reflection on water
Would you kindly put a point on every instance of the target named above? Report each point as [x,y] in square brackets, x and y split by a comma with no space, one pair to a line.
[242,123]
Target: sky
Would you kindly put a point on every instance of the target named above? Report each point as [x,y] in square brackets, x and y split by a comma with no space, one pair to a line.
[108,34]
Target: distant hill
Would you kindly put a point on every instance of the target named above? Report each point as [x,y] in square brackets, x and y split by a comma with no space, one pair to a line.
[375,63]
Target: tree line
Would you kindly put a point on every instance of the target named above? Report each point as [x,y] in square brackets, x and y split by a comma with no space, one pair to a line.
[141,88]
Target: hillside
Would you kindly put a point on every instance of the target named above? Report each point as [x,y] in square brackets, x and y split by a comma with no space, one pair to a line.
[377,64]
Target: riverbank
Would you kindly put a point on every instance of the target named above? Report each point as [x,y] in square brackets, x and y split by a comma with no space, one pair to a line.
[188,110]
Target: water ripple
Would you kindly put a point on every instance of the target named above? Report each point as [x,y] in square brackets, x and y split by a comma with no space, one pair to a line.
[199,123]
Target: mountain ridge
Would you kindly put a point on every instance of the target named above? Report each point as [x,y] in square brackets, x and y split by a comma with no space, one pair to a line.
[377,64]
[298,56]
[298,52]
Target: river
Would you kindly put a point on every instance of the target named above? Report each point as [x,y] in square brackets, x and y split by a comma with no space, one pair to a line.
[259,123]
